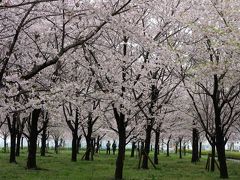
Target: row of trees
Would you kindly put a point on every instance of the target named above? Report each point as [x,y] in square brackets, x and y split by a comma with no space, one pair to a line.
[129,67]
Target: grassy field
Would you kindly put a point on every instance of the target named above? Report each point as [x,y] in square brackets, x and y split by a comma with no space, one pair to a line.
[59,167]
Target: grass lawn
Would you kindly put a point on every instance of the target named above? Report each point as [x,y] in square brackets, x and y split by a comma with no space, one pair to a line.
[59,167]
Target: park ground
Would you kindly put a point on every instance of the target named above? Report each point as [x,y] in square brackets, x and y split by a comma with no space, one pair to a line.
[59,167]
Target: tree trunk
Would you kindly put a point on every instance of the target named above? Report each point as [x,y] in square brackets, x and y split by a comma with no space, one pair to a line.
[31,161]
[78,144]
[74,130]
[88,136]
[176,148]
[220,145]
[44,135]
[56,145]
[121,148]
[88,149]
[162,149]
[74,147]
[147,147]
[97,144]
[212,168]
[13,134]
[133,148]
[220,139]
[156,147]
[180,148]
[22,143]
[138,149]
[200,150]
[19,136]
[5,143]
[195,145]
[168,147]
[43,142]
[13,148]
[92,149]
[184,150]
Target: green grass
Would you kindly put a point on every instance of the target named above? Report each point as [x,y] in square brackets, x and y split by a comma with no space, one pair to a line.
[59,167]
[229,154]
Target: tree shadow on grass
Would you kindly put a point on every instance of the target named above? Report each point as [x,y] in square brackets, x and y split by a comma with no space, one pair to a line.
[37,169]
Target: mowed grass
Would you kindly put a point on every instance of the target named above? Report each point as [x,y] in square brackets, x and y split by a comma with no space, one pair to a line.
[59,167]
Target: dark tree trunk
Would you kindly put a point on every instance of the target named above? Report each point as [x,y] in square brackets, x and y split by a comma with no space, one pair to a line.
[162,149]
[28,144]
[92,148]
[74,147]
[44,135]
[13,135]
[184,150]
[75,137]
[88,149]
[200,150]
[176,148]
[120,118]
[88,136]
[74,128]
[195,145]
[5,143]
[180,148]
[22,143]
[222,160]
[56,140]
[19,136]
[98,144]
[138,149]
[133,148]
[13,148]
[156,147]
[212,168]
[31,161]
[79,143]
[220,139]
[147,147]
[44,142]
[220,145]
[168,146]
